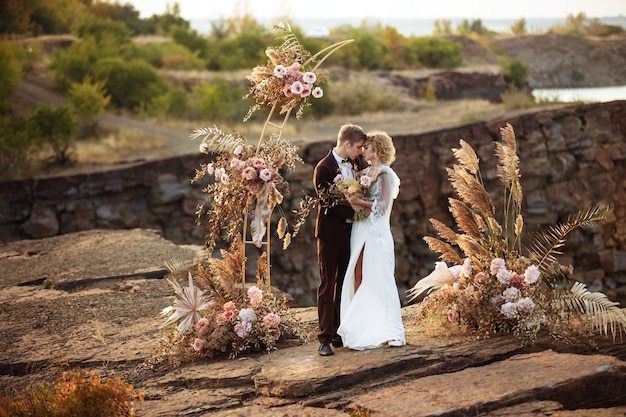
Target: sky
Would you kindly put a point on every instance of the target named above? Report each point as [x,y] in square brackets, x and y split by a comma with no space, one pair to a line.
[421,9]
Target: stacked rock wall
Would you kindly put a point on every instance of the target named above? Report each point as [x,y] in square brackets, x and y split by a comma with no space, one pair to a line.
[570,158]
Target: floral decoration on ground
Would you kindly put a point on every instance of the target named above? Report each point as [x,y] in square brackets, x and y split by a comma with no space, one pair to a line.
[219,320]
[494,285]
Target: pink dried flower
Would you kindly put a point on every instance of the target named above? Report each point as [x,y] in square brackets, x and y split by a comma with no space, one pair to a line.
[204,148]
[271,320]
[243,328]
[297,88]
[210,169]
[229,314]
[238,150]
[453,315]
[511,294]
[229,305]
[225,179]
[258,163]
[365,180]
[265,174]
[306,90]
[255,295]
[317,92]
[247,314]
[280,71]
[249,173]
[480,277]
[496,265]
[531,274]
[516,280]
[287,91]
[504,276]
[198,345]
[202,323]
[309,77]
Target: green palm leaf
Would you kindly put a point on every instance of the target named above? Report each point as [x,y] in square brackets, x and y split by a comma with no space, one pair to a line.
[604,315]
[547,244]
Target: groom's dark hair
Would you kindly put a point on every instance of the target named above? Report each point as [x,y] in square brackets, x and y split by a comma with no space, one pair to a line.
[350,133]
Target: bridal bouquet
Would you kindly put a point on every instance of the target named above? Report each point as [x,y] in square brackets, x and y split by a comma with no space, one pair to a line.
[351,187]
[492,285]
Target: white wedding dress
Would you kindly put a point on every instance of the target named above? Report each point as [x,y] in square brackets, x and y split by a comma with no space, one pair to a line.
[371,316]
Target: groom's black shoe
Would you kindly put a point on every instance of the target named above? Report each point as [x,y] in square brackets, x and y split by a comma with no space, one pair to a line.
[325,350]
[337,342]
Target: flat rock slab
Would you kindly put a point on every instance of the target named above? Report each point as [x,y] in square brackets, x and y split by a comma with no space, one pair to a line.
[87,256]
[575,381]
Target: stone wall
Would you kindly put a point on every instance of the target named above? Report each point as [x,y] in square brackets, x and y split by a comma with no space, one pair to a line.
[571,158]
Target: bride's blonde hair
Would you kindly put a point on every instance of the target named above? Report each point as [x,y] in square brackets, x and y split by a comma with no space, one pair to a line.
[383,146]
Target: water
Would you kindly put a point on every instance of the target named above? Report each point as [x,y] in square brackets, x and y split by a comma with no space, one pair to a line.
[410,26]
[587,95]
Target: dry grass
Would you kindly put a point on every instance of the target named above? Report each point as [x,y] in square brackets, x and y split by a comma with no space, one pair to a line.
[113,145]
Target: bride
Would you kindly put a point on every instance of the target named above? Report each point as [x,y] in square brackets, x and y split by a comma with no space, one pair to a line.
[370,303]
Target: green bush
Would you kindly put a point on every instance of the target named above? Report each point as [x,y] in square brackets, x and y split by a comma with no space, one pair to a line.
[515,72]
[54,127]
[170,55]
[131,85]
[191,40]
[174,103]
[104,29]
[356,97]
[220,100]
[577,75]
[435,52]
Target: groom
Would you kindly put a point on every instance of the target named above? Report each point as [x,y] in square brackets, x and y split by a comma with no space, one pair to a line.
[332,230]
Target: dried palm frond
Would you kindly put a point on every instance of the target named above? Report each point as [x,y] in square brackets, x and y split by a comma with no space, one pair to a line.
[470,190]
[472,249]
[547,244]
[466,157]
[444,231]
[218,141]
[180,263]
[446,251]
[603,314]
[465,218]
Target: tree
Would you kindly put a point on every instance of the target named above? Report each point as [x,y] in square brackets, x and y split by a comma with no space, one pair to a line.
[519,27]
[87,100]
[131,85]
[54,127]
[443,27]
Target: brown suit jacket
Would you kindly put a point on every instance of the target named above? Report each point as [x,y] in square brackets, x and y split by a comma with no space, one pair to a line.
[330,220]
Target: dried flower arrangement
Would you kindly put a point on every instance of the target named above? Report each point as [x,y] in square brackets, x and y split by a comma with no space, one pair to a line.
[494,285]
[213,315]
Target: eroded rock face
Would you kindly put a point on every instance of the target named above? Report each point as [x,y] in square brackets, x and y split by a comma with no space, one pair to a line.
[82,316]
